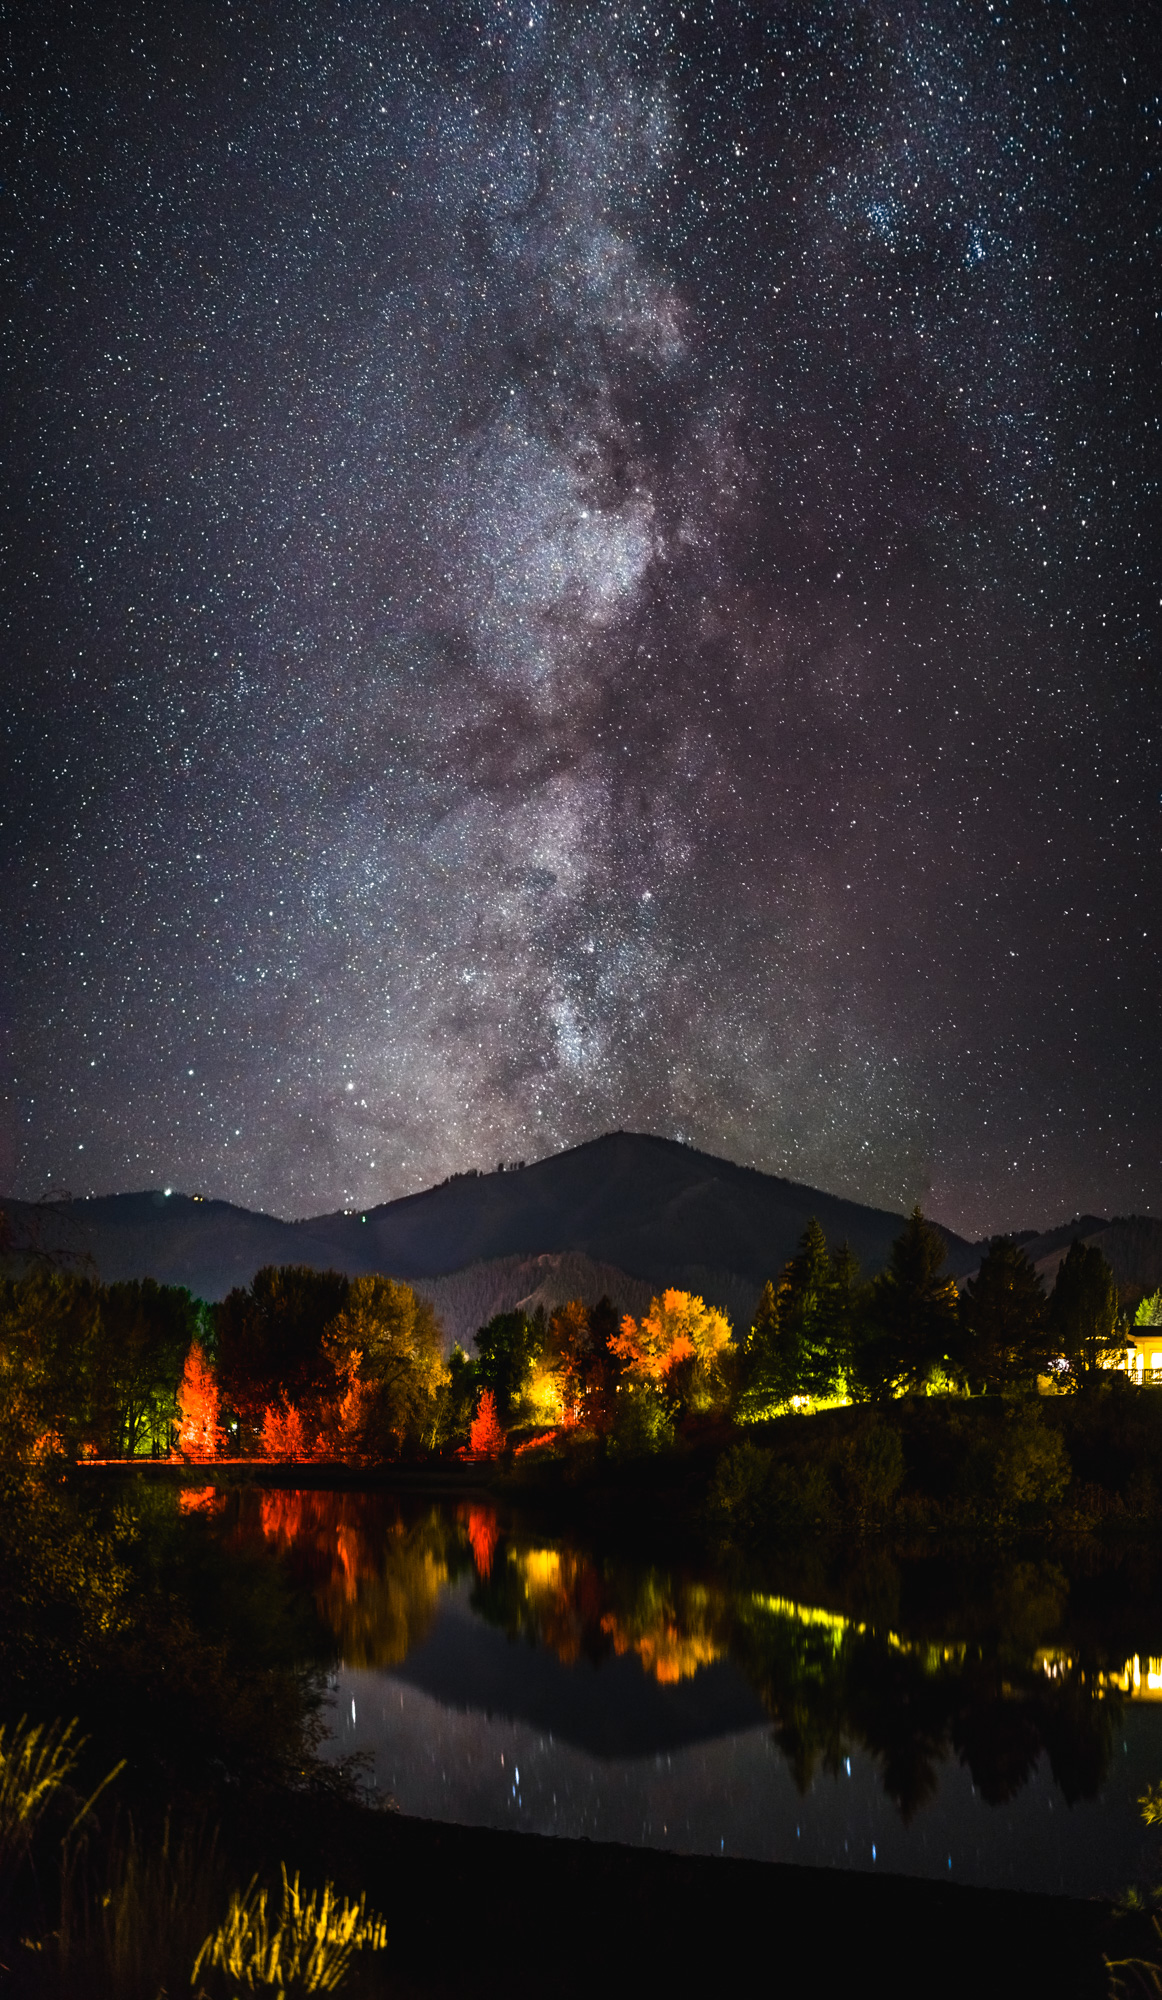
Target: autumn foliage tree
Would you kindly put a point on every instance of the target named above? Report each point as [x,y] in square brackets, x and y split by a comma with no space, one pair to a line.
[282,1432]
[485,1438]
[385,1350]
[681,1345]
[199,1429]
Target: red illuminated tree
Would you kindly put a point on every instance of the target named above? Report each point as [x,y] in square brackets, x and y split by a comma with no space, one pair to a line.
[282,1432]
[199,1432]
[485,1438]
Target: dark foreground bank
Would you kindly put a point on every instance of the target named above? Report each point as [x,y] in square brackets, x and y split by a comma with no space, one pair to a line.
[477,1912]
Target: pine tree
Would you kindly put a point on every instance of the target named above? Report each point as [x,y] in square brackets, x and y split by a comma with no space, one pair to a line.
[1006,1343]
[911,1326]
[485,1438]
[199,1431]
[800,1343]
[1083,1314]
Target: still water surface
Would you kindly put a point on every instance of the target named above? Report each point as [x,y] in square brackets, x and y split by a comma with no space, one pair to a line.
[990,1722]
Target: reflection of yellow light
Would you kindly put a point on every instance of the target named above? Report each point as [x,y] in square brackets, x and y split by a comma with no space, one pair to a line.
[809,1615]
[1140,1679]
[541,1569]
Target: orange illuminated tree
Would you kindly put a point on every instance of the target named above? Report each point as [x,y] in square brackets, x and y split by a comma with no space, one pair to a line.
[485,1438]
[282,1432]
[199,1431]
[679,1327]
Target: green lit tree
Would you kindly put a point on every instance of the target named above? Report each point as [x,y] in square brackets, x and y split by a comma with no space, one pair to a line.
[392,1341]
[146,1331]
[910,1324]
[766,1378]
[1005,1338]
[460,1397]
[508,1349]
[800,1342]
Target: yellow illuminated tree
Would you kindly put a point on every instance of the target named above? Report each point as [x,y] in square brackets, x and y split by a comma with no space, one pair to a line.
[400,1369]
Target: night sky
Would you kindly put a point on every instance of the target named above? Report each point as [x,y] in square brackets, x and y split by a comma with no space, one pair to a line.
[569,568]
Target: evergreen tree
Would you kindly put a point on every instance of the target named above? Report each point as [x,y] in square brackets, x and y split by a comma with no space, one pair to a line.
[460,1394]
[911,1322]
[1083,1315]
[766,1377]
[800,1342]
[1005,1340]
[811,1315]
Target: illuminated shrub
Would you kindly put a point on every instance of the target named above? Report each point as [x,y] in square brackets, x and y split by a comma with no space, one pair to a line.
[737,1502]
[1020,1470]
[852,1482]
[799,1498]
[869,1472]
[544,1399]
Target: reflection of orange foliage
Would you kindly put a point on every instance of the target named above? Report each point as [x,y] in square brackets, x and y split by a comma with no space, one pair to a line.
[483,1533]
[485,1438]
[199,1499]
[282,1515]
[282,1433]
[665,1651]
[376,1579]
[199,1435]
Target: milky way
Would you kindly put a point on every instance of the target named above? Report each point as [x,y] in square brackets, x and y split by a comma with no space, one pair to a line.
[569,569]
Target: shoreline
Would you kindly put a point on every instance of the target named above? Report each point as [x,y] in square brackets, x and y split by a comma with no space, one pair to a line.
[634,1917]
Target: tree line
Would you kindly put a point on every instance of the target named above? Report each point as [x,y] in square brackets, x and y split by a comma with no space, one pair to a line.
[305,1363]
[298,1363]
[821,1334]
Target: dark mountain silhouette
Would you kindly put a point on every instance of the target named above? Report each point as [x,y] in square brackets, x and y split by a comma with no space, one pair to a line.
[650,1206]
[656,1210]
[1132,1245]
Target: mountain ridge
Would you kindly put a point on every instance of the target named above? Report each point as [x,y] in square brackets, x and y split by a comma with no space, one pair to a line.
[650,1207]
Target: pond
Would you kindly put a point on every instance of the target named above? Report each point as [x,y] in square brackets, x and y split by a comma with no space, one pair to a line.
[990,1721]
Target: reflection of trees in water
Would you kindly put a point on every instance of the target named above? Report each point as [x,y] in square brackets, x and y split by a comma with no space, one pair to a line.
[553,1596]
[483,1534]
[674,1632]
[833,1685]
[580,1609]
[916,1669]
[376,1576]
